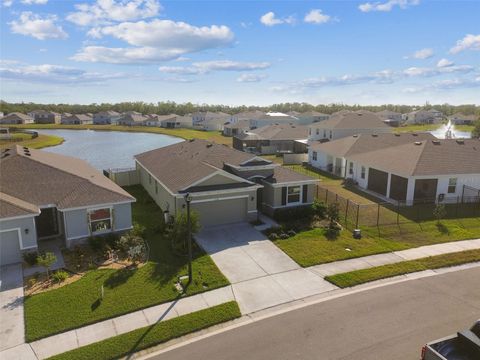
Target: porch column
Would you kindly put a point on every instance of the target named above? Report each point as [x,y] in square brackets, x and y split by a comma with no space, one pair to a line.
[410,189]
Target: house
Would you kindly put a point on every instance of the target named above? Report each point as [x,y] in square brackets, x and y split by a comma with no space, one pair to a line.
[64,116]
[16,118]
[422,116]
[271,118]
[131,118]
[236,128]
[1,114]
[50,196]
[109,117]
[247,115]
[78,119]
[391,118]
[405,168]
[210,121]
[176,121]
[45,117]
[462,119]
[347,123]
[226,185]
[273,139]
[310,117]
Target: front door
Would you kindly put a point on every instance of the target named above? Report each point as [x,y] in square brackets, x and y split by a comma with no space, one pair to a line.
[47,223]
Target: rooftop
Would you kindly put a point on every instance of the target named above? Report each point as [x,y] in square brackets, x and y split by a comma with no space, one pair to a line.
[361,119]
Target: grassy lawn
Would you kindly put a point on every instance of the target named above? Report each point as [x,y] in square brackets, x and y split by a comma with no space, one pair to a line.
[357,277]
[125,344]
[39,142]
[312,247]
[78,304]
[417,128]
[187,134]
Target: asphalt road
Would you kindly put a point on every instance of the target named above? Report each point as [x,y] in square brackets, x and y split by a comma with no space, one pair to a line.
[390,322]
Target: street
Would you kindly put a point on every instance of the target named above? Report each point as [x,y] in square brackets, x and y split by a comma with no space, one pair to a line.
[390,322]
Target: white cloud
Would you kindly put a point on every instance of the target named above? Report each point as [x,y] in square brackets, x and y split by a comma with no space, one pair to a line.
[216,65]
[387,6]
[154,41]
[269,19]
[469,42]
[7,3]
[34,2]
[426,72]
[316,16]
[444,63]
[48,73]
[251,78]
[106,11]
[41,28]
[422,54]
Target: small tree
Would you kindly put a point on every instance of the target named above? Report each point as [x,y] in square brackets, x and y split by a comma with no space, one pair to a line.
[439,212]
[333,215]
[319,208]
[47,260]
[178,231]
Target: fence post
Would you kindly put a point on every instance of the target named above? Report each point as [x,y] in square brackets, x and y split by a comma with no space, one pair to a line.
[456,207]
[463,192]
[346,211]
[336,198]
[378,214]
[326,196]
[358,212]
[398,212]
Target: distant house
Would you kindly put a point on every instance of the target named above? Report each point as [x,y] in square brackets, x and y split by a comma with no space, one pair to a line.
[462,119]
[247,115]
[109,117]
[226,185]
[310,117]
[177,121]
[423,117]
[405,168]
[391,118]
[1,114]
[272,118]
[132,118]
[16,118]
[45,117]
[273,139]
[78,119]
[347,123]
[50,196]
[236,128]
[210,121]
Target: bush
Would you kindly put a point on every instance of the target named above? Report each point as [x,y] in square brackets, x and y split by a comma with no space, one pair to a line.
[127,241]
[111,240]
[96,242]
[319,209]
[138,230]
[273,236]
[284,236]
[291,233]
[30,257]
[60,276]
[272,230]
[293,213]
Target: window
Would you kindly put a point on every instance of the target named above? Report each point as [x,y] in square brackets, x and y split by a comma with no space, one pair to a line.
[100,220]
[452,185]
[318,131]
[330,134]
[324,133]
[293,194]
[362,175]
[350,168]
[314,156]
[149,179]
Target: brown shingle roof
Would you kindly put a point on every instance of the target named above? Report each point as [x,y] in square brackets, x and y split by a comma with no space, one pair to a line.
[43,178]
[361,119]
[12,207]
[277,132]
[284,175]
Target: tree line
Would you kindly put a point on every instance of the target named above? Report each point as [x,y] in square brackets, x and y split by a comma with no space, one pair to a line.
[170,107]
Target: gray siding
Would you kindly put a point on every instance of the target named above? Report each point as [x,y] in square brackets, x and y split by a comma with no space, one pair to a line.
[122,216]
[76,224]
[160,195]
[28,240]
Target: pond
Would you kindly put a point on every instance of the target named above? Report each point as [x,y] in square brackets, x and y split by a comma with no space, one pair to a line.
[107,149]
[441,132]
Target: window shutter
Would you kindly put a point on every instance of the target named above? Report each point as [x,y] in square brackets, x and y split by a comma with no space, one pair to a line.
[305,193]
[284,196]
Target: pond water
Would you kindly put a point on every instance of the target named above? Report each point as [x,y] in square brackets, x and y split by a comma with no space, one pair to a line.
[107,149]
[441,132]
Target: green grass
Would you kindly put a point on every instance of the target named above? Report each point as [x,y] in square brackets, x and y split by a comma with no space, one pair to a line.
[77,304]
[39,142]
[357,277]
[187,134]
[125,344]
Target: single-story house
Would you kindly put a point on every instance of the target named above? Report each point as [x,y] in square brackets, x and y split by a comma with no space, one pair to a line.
[16,118]
[236,128]
[77,119]
[347,123]
[273,139]
[210,121]
[462,119]
[132,118]
[109,117]
[422,116]
[271,118]
[49,196]
[310,117]
[247,115]
[45,117]
[176,121]
[391,118]
[226,185]
[404,167]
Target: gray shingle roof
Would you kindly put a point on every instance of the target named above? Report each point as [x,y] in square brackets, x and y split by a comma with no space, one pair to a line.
[361,119]
[277,132]
[12,207]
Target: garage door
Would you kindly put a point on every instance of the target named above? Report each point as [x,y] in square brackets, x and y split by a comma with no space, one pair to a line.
[219,212]
[9,247]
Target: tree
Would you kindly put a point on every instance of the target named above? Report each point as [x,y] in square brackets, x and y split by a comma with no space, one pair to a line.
[333,214]
[178,230]
[47,260]
[439,212]
[476,130]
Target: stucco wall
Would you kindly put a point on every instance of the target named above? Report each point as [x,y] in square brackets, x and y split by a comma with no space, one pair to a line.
[28,240]
[160,195]
[122,214]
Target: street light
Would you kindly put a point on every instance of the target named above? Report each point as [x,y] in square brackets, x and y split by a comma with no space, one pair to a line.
[188,200]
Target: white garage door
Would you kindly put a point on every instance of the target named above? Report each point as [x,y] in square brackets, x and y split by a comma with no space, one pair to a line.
[9,247]
[220,212]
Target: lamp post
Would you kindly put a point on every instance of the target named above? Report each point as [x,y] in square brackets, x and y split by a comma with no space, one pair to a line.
[188,199]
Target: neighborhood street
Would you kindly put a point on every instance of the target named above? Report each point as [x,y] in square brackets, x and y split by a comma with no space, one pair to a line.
[390,322]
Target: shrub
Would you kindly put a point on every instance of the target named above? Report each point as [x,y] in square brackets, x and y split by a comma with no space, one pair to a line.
[273,236]
[96,242]
[291,233]
[127,241]
[111,240]
[272,230]
[319,208]
[30,257]
[59,276]
[284,236]
[293,213]
[138,230]
[46,260]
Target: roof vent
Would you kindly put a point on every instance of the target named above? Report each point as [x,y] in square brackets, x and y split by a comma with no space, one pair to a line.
[355,135]
[209,145]
[397,134]
[436,142]
[375,135]
[418,143]
[191,140]
[414,134]
[460,141]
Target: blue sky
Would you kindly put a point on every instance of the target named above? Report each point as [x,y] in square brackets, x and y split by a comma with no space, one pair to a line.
[240,52]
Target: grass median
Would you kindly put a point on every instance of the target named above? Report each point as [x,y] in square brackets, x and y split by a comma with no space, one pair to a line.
[357,277]
[128,343]
[41,141]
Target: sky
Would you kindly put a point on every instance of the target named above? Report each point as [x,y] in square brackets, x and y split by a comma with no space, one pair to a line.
[240,52]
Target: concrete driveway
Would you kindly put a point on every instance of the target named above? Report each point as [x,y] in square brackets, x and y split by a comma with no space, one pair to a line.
[261,274]
[12,328]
